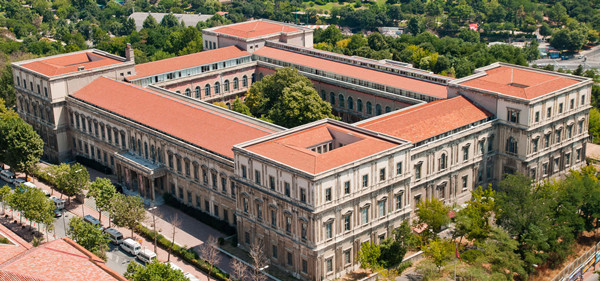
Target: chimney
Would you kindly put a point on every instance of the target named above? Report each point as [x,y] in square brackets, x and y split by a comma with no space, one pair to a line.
[80,68]
[129,53]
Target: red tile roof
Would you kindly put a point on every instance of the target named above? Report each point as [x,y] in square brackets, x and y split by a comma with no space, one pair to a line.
[69,63]
[60,259]
[380,77]
[187,61]
[253,29]
[428,120]
[519,82]
[17,245]
[201,126]
[293,149]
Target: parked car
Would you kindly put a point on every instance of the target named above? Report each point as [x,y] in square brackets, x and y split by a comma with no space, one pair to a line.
[146,256]
[58,213]
[7,176]
[59,204]
[114,235]
[93,221]
[131,246]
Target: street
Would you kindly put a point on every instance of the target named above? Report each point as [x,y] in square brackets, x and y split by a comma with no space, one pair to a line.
[590,60]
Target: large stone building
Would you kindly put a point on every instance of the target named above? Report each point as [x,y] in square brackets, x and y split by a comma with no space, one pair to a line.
[311,194]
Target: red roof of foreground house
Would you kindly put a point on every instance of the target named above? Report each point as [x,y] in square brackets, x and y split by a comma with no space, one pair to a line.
[16,246]
[294,149]
[69,63]
[187,61]
[428,120]
[198,125]
[380,77]
[519,82]
[253,29]
[60,260]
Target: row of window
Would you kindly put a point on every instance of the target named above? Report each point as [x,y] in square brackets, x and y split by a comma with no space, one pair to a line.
[513,114]
[198,204]
[275,254]
[217,87]
[349,103]
[94,153]
[111,135]
[38,87]
[272,185]
[558,135]
[38,110]
[175,164]
[556,164]
[274,215]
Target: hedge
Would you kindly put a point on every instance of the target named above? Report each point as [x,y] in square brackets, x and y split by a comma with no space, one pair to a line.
[187,254]
[206,218]
[93,164]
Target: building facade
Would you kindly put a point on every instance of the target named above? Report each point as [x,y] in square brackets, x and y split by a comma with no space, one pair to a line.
[312,195]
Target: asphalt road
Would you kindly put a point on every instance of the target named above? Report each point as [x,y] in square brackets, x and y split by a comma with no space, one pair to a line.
[591,60]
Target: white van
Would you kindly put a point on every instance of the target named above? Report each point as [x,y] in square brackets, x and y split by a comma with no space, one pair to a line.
[131,246]
[59,204]
[114,235]
[146,256]
[7,176]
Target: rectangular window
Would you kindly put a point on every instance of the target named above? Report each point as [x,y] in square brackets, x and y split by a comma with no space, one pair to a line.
[537,116]
[328,194]
[572,104]
[347,222]
[465,153]
[381,208]
[303,231]
[207,206]
[257,177]
[465,182]
[290,259]
[583,100]
[273,218]
[418,171]
[223,185]
[398,168]
[365,215]
[232,189]
[556,166]
[259,213]
[347,257]
[247,237]
[288,224]
[558,135]
[189,197]
[187,168]
[181,193]
[287,189]
[245,205]
[328,230]
[560,108]
[545,169]
[567,159]
[532,173]
[198,202]
[365,180]
[534,145]
[274,251]
[303,195]
[178,162]
[244,175]
[513,115]
[347,187]
[547,140]
[272,182]
[549,112]
[304,266]
[578,155]
[398,201]
[382,174]
[329,264]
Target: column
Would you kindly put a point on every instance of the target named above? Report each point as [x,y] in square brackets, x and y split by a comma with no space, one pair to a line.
[141,184]
[152,186]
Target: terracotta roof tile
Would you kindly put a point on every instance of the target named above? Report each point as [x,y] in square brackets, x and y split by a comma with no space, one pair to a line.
[195,124]
[69,63]
[380,77]
[16,247]
[428,120]
[253,29]
[518,82]
[293,149]
[187,61]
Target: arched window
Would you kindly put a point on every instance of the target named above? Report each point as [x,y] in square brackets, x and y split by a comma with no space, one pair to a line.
[443,161]
[341,101]
[323,95]
[332,98]
[226,86]
[217,88]
[207,90]
[245,81]
[146,150]
[152,153]
[369,108]
[359,105]
[198,94]
[236,83]
[188,92]
[253,77]
[350,103]
[511,145]
[377,109]
[388,109]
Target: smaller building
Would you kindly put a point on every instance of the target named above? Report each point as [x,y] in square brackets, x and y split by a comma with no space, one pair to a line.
[60,260]
[252,35]
[187,19]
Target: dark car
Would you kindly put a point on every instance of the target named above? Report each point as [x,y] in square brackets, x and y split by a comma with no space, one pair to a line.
[58,213]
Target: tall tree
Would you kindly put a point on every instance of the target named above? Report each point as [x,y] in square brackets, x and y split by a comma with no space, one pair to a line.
[22,146]
[127,211]
[433,213]
[103,192]
[72,180]
[369,255]
[259,261]
[473,221]
[439,251]
[88,236]
[154,271]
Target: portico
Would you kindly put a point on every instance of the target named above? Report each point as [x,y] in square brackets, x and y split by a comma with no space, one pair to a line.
[140,175]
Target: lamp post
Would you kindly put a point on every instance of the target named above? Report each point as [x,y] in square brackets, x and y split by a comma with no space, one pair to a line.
[151,210]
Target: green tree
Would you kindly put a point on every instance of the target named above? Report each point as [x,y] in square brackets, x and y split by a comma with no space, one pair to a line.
[433,213]
[330,35]
[469,35]
[594,124]
[169,21]
[71,179]
[286,98]
[239,106]
[4,195]
[414,26]
[473,221]
[127,211]
[499,256]
[439,251]
[7,90]
[545,30]
[569,38]
[150,22]
[22,147]
[377,41]
[103,192]
[88,236]
[38,208]
[368,256]
[154,271]
[392,252]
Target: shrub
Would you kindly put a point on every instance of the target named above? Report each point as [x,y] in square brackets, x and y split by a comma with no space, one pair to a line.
[187,254]
[200,215]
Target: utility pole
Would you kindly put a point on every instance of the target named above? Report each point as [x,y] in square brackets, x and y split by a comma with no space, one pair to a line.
[151,210]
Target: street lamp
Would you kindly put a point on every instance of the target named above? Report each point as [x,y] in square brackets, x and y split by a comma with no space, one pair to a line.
[151,210]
